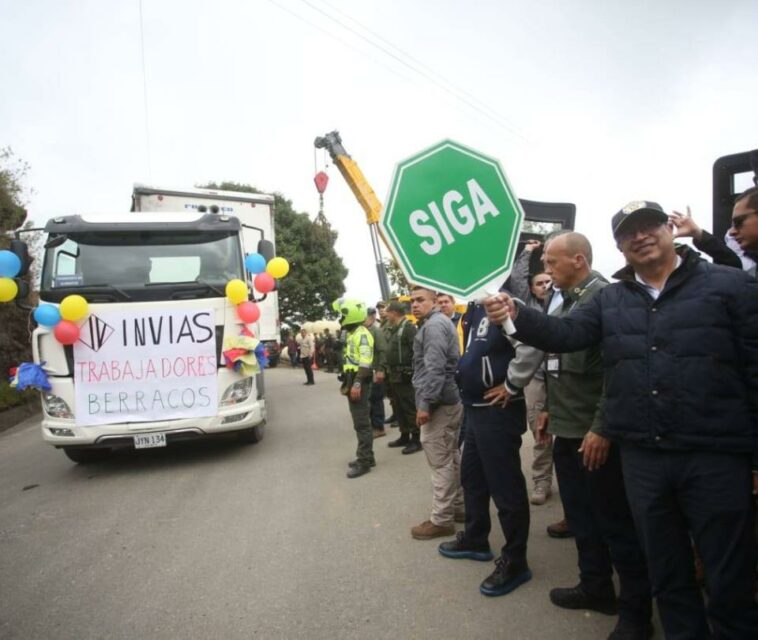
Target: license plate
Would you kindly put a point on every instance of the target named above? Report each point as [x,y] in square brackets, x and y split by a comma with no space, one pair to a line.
[149,440]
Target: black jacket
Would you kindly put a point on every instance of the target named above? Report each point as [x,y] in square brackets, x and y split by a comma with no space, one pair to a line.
[681,372]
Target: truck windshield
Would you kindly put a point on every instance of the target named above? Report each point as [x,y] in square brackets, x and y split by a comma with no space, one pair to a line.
[140,265]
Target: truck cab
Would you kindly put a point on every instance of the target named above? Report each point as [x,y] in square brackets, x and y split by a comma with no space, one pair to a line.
[148,366]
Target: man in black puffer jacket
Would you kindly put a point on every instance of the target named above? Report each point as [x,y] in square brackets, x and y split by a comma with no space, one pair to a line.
[680,353]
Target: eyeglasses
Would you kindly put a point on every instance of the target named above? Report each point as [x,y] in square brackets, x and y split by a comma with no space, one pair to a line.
[738,221]
[629,231]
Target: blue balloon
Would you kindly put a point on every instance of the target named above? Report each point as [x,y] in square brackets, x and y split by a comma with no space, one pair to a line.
[255,263]
[47,314]
[10,264]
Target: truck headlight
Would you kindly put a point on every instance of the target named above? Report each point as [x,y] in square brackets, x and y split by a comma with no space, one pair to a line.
[56,407]
[236,393]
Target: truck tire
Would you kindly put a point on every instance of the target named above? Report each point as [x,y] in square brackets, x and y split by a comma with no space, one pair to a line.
[251,436]
[86,456]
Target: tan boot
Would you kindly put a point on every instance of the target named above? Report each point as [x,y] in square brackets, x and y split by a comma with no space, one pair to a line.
[428,530]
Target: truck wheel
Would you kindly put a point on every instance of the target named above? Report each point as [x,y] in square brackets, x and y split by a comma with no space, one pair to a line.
[251,436]
[86,456]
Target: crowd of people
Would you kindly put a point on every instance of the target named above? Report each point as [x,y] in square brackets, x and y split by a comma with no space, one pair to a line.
[642,395]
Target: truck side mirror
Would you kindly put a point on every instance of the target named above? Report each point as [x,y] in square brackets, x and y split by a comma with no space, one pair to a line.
[266,249]
[21,249]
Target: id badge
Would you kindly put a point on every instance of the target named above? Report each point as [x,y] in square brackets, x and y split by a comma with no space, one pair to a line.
[553,364]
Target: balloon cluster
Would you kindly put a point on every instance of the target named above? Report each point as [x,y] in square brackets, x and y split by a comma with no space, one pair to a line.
[264,281]
[64,319]
[10,267]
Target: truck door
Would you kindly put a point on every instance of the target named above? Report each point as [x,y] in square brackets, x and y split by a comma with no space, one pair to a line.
[540,220]
[731,176]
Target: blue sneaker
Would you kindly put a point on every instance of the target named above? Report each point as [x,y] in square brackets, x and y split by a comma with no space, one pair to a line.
[506,577]
[459,548]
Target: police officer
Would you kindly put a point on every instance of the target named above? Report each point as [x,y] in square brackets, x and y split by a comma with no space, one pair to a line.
[401,333]
[356,380]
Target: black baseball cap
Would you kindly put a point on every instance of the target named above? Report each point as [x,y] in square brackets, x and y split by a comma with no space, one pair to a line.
[635,210]
[371,311]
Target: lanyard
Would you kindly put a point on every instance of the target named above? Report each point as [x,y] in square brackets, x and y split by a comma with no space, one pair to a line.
[579,294]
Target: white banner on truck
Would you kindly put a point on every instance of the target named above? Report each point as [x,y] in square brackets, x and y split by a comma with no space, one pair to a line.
[144,366]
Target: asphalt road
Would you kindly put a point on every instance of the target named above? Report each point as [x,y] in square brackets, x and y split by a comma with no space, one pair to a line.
[221,540]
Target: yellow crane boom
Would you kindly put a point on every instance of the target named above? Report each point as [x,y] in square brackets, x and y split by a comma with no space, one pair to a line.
[365,195]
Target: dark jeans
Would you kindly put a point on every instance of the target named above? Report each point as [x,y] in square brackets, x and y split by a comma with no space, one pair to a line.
[307,365]
[598,513]
[359,412]
[377,405]
[491,468]
[707,495]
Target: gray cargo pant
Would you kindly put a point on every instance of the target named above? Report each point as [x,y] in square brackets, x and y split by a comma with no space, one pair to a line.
[439,438]
[542,463]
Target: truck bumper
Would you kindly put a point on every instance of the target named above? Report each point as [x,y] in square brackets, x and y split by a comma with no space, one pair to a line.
[64,433]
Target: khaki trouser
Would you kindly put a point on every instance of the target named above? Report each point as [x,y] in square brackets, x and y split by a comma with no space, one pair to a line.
[439,438]
[542,464]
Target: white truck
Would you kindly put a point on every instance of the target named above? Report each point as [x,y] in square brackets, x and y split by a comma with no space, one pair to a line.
[147,368]
[256,213]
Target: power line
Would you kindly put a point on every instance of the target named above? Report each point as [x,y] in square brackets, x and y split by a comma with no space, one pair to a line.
[417,67]
[418,62]
[338,39]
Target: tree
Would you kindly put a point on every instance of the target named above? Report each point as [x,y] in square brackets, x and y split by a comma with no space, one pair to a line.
[12,173]
[317,273]
[14,333]
[400,286]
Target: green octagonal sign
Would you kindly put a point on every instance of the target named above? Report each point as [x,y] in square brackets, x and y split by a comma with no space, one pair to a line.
[452,220]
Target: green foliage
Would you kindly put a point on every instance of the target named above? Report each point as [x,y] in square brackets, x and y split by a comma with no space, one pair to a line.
[10,398]
[317,273]
[14,322]
[12,172]
[400,286]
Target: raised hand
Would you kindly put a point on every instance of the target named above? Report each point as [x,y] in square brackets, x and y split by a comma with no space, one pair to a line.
[500,307]
[685,226]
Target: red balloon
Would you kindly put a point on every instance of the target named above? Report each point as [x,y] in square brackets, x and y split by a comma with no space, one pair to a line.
[66,332]
[248,312]
[264,283]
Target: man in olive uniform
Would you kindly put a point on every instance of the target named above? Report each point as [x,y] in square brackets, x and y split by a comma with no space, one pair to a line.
[357,374]
[328,350]
[399,376]
[376,401]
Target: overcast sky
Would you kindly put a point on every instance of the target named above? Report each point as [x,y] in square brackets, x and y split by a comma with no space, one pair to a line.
[596,103]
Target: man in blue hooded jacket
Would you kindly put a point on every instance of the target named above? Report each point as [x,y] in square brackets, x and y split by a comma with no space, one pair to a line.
[492,374]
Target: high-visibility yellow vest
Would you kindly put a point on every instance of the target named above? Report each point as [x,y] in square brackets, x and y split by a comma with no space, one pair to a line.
[359,350]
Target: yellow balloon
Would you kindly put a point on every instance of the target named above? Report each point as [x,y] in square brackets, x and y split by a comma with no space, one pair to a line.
[74,308]
[8,289]
[236,291]
[277,267]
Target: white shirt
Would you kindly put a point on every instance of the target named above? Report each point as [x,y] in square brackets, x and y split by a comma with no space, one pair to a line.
[654,293]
